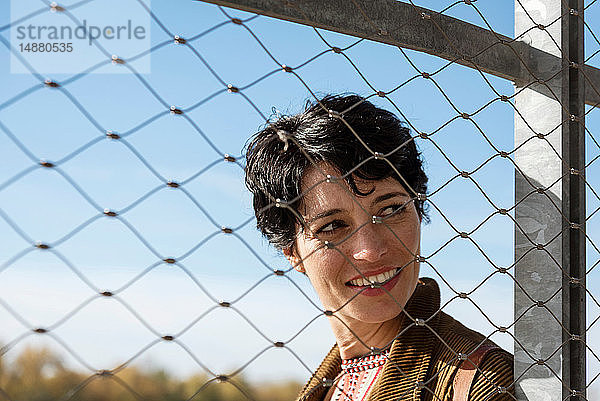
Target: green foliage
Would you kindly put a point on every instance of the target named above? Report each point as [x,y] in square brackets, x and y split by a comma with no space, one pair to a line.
[38,374]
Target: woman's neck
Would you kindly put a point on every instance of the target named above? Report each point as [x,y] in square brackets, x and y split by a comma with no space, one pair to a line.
[355,338]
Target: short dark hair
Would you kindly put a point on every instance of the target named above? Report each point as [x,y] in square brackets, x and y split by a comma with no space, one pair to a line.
[278,155]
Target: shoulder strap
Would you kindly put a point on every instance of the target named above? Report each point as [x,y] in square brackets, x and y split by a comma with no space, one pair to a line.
[466,372]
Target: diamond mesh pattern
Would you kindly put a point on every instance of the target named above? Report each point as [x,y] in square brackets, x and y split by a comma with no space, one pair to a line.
[66,171]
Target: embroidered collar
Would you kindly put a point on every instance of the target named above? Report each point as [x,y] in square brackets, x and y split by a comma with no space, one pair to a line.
[361,363]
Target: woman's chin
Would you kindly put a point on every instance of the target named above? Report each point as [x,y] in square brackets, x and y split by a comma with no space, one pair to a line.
[372,313]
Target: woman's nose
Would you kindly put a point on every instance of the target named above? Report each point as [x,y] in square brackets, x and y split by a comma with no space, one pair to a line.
[369,244]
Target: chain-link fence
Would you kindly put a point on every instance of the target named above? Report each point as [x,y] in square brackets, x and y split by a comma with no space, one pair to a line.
[129,240]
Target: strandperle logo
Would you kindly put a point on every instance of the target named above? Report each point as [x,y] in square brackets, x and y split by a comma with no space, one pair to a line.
[90,33]
[95,37]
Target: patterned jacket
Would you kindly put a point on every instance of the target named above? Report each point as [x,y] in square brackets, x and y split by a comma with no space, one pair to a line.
[424,359]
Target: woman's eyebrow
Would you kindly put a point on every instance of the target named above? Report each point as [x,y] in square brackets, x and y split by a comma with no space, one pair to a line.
[387,196]
[321,215]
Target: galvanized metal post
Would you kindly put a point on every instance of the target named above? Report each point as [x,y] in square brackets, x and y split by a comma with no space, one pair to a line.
[550,212]
[574,239]
[538,196]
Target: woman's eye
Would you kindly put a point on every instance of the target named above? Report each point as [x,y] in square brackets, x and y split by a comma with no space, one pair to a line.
[330,227]
[391,210]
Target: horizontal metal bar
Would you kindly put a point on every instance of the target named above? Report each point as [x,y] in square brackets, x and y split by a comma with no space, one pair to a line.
[407,26]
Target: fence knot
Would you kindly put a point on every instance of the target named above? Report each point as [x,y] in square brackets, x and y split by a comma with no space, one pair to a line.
[540,190]
[51,83]
[169,261]
[464,235]
[376,220]
[573,11]
[574,171]
[539,247]
[286,68]
[504,98]
[222,378]
[334,114]
[540,135]
[328,313]
[540,362]
[225,304]
[420,385]
[110,213]
[167,338]
[378,156]
[228,158]
[425,75]
[425,16]
[55,7]
[540,303]
[502,329]
[175,110]
[116,60]
[237,21]
[381,93]
[503,211]
[280,203]
[278,272]
[575,337]
[420,259]
[328,245]
[47,164]
[327,382]
[464,174]
[503,153]
[41,245]
[336,50]
[106,294]
[419,322]
[40,330]
[173,184]
[232,89]
[541,26]
[279,344]
[466,116]
[462,357]
[463,295]
[104,372]
[575,226]
[502,270]
[227,230]
[112,135]
[178,39]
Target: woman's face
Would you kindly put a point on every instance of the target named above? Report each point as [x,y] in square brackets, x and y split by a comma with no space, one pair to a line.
[384,253]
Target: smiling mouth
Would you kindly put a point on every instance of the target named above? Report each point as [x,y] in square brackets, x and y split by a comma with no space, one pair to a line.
[377,279]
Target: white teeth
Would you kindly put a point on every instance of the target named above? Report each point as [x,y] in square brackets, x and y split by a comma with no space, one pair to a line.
[378,279]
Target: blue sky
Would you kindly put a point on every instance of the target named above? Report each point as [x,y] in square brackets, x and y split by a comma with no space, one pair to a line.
[42,289]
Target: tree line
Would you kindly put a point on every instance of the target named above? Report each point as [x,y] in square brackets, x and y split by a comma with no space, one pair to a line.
[39,374]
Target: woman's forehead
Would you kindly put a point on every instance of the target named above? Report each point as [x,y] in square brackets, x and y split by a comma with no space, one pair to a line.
[319,191]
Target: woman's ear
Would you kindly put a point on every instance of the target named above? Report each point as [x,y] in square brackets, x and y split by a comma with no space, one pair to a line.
[292,257]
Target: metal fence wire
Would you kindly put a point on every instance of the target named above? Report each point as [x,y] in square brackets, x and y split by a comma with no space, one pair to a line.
[556,312]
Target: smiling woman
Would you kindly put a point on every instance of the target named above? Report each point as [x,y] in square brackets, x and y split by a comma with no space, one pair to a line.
[340,190]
